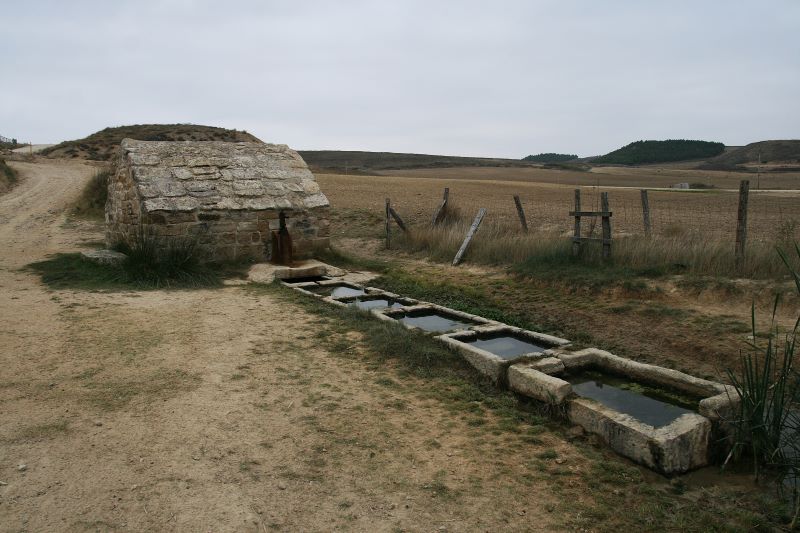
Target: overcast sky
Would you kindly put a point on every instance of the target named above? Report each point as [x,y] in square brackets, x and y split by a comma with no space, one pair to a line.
[500,78]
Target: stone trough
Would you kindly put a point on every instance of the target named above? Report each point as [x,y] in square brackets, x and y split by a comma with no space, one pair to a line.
[435,319]
[654,432]
[664,419]
[492,349]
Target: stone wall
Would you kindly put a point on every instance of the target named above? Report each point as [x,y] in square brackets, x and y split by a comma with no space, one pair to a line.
[225,221]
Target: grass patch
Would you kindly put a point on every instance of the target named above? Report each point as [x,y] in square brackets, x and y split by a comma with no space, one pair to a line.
[92,201]
[150,264]
[72,271]
[415,355]
[8,176]
[116,394]
[549,255]
[41,431]
[334,257]
[463,298]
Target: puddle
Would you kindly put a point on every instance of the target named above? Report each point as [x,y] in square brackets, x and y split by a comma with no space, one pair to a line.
[305,279]
[435,322]
[376,303]
[337,291]
[650,405]
[505,345]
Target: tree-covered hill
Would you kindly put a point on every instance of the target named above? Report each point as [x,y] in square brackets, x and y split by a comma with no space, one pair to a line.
[645,152]
[550,158]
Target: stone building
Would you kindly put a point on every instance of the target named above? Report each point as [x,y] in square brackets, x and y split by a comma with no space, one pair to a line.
[226,197]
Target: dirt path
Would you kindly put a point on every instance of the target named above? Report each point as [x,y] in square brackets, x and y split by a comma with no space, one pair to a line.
[214,410]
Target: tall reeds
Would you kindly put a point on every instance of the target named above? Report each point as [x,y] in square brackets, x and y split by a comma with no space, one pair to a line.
[767,423]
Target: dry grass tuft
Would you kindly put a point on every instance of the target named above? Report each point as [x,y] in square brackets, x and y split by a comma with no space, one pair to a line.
[675,251]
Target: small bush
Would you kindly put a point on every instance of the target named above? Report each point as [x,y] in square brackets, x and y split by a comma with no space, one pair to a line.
[92,201]
[151,264]
[156,262]
[7,174]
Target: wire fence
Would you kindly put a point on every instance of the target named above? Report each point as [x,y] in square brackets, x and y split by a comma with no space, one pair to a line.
[773,216]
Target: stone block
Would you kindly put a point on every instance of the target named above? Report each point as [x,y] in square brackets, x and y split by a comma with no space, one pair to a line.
[104,257]
[678,447]
[530,382]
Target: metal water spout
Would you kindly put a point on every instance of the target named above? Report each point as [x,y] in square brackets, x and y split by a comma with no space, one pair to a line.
[281,243]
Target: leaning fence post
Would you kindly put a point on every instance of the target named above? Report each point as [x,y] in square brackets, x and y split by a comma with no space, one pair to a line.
[576,241]
[470,234]
[646,212]
[741,224]
[388,230]
[521,213]
[397,219]
[440,212]
[606,217]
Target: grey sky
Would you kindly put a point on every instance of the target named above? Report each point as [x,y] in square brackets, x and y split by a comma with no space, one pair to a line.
[503,78]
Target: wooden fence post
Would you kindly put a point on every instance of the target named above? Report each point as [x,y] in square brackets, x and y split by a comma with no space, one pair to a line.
[606,217]
[440,212]
[741,224]
[470,234]
[521,213]
[388,230]
[397,219]
[646,213]
[576,242]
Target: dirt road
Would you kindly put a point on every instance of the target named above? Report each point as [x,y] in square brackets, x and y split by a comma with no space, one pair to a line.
[214,410]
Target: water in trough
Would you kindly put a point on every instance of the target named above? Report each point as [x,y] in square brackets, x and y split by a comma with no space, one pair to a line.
[376,303]
[337,291]
[651,405]
[435,322]
[505,345]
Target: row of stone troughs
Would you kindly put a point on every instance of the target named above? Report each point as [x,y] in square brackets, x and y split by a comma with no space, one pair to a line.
[653,429]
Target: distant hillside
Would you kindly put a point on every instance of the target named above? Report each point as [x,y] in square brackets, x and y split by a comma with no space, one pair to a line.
[351,161]
[550,158]
[101,145]
[769,152]
[647,152]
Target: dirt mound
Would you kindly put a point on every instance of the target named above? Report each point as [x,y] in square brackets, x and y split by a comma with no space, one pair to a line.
[101,145]
[767,152]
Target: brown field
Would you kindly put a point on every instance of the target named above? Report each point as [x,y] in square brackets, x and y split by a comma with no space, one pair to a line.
[646,176]
[773,215]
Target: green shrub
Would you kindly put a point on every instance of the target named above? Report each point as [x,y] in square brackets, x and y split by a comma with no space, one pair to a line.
[92,201]
[153,261]
[7,174]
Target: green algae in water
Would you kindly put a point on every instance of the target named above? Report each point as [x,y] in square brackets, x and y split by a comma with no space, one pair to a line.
[649,404]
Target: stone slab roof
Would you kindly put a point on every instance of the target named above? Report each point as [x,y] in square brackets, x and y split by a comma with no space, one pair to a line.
[209,175]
